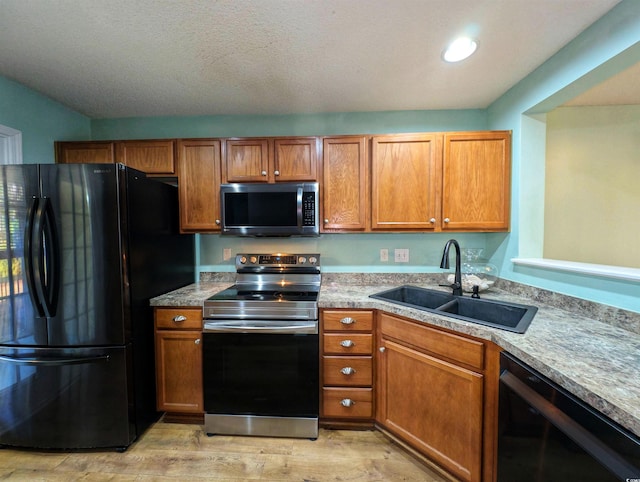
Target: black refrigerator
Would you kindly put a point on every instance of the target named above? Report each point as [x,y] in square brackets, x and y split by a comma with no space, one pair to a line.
[83,247]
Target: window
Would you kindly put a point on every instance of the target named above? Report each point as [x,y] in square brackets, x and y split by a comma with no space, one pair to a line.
[10,145]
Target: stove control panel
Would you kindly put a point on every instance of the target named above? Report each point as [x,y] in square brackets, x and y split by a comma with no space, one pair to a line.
[278,259]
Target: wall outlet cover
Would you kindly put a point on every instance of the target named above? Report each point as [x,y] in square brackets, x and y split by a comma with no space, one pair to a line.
[401,255]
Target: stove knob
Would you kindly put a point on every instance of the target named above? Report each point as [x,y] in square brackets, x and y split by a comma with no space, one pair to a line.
[313,260]
[302,260]
[243,259]
[254,260]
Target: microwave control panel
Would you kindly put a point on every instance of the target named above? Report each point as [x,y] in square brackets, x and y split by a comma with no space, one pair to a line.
[308,209]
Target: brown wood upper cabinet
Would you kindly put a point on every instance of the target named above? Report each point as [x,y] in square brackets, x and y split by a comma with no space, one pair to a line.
[154,157]
[85,152]
[458,181]
[476,180]
[345,183]
[404,174]
[198,169]
[271,159]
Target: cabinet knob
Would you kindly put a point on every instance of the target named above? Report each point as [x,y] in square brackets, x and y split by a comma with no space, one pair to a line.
[347,371]
[347,320]
[446,220]
[347,402]
[179,318]
[432,220]
[217,222]
[326,221]
[276,173]
[264,173]
[382,349]
[347,343]
[197,342]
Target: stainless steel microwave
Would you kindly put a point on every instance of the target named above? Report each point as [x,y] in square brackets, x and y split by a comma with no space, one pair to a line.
[281,209]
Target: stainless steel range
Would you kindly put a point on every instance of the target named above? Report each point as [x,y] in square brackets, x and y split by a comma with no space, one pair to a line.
[261,348]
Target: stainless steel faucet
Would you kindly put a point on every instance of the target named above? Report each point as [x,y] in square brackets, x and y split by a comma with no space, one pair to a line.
[444,264]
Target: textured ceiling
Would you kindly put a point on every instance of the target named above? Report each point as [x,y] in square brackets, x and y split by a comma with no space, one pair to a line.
[123,58]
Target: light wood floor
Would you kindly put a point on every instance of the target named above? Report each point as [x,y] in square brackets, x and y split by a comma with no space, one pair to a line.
[172,452]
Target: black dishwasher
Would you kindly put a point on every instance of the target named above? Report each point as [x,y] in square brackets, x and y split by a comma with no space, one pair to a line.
[546,434]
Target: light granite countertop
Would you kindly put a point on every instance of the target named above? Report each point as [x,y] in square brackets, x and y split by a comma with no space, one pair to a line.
[591,350]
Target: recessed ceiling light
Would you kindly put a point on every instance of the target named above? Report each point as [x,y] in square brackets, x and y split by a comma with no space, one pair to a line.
[460,49]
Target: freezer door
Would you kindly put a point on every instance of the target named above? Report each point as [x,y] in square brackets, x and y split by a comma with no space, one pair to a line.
[84,205]
[21,321]
[65,398]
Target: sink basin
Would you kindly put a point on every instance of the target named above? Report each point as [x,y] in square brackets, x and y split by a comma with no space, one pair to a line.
[415,297]
[498,314]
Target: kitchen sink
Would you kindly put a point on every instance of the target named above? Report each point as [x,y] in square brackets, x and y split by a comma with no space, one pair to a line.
[415,297]
[498,314]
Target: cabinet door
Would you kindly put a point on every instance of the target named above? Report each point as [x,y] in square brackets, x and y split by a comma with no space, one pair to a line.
[345,192]
[84,152]
[404,175]
[246,160]
[476,181]
[156,158]
[295,159]
[199,185]
[433,405]
[179,371]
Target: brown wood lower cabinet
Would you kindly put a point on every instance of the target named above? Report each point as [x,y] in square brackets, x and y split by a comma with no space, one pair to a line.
[178,338]
[431,387]
[347,367]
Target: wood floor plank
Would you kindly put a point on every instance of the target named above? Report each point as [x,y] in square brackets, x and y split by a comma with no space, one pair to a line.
[180,452]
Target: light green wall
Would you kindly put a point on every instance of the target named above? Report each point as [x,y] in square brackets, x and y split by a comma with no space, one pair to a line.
[288,125]
[591,186]
[609,46]
[40,119]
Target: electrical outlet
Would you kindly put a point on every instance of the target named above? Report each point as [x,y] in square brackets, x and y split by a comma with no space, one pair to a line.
[226,254]
[401,255]
[384,254]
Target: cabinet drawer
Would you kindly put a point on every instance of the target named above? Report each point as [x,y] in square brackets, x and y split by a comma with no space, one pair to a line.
[179,318]
[440,343]
[347,371]
[347,320]
[347,344]
[347,402]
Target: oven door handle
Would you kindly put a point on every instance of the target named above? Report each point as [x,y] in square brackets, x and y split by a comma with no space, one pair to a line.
[216,327]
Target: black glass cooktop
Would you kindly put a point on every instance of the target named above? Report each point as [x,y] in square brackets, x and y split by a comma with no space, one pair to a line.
[235,293]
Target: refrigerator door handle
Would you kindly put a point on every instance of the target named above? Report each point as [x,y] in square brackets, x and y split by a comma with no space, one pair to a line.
[46,257]
[39,361]
[29,257]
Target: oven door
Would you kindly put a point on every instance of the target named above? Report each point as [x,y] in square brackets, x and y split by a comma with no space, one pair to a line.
[263,369]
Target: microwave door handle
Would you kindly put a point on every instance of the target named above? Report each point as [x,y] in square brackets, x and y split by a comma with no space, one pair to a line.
[299,207]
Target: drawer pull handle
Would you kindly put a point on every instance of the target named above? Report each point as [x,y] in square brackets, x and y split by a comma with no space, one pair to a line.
[347,402]
[347,320]
[347,343]
[179,318]
[347,371]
